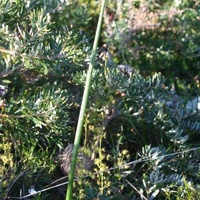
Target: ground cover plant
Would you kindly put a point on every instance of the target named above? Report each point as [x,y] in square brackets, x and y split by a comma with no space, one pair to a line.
[141,126]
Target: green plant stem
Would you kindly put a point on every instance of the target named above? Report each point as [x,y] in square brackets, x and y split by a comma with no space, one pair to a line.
[83,105]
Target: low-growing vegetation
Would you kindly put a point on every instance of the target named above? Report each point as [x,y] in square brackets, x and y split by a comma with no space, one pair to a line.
[141,130]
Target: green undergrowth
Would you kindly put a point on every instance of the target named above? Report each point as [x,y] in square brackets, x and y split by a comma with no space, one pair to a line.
[142,120]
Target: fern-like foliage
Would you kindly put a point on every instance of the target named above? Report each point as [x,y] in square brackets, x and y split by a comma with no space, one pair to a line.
[44,110]
[37,59]
[189,115]
[43,64]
